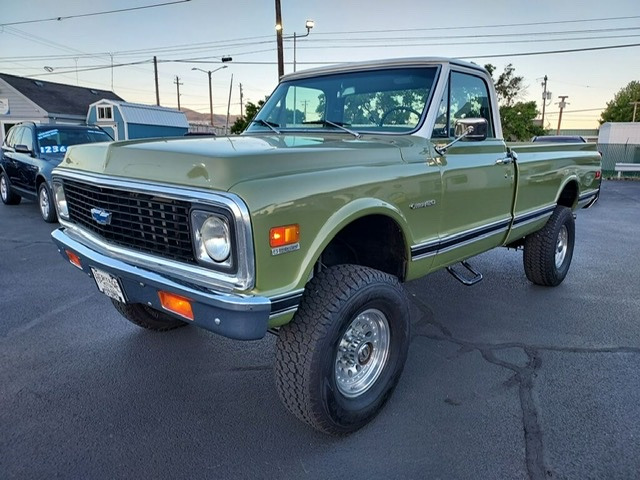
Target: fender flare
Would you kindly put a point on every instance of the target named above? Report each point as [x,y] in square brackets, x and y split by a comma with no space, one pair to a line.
[340,219]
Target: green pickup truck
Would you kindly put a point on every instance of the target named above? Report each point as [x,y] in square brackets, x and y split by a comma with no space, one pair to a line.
[351,180]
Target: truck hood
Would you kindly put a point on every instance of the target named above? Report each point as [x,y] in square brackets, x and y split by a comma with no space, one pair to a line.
[221,162]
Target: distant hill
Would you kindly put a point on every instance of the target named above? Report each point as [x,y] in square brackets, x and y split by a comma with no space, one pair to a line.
[218,119]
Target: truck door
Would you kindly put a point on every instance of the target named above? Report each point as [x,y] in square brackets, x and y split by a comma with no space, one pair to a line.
[477,192]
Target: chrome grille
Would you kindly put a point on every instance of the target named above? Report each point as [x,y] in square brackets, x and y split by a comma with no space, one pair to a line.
[139,221]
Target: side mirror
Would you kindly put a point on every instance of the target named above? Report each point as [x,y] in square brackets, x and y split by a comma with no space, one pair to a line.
[22,149]
[469,129]
[475,129]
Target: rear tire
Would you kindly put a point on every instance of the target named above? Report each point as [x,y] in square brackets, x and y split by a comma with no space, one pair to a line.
[147,317]
[548,252]
[45,203]
[7,196]
[340,358]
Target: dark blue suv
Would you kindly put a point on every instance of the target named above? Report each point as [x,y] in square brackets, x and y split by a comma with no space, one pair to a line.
[30,152]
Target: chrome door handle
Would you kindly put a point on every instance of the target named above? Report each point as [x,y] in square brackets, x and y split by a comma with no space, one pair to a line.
[504,161]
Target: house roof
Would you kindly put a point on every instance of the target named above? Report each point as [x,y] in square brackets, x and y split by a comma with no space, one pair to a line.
[149,114]
[58,97]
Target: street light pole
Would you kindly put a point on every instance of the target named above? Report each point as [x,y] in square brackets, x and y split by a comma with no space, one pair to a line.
[308,25]
[209,72]
[279,39]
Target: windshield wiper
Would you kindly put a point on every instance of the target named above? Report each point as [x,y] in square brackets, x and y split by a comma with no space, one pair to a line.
[266,123]
[339,125]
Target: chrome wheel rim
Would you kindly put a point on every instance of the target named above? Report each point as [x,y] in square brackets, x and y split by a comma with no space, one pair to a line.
[362,353]
[562,246]
[44,202]
[3,187]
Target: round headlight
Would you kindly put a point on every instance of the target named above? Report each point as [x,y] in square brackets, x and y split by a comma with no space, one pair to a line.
[215,237]
[61,200]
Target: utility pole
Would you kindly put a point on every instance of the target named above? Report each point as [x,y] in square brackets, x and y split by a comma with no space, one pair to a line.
[279,39]
[635,107]
[241,103]
[561,104]
[155,70]
[177,82]
[210,101]
[544,99]
[226,128]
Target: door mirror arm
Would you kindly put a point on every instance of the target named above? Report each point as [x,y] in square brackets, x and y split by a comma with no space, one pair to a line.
[473,129]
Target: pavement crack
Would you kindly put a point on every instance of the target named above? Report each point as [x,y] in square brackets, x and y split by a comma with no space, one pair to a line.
[523,377]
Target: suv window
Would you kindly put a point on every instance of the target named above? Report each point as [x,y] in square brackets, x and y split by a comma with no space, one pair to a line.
[26,138]
[15,137]
[8,141]
[466,96]
[57,139]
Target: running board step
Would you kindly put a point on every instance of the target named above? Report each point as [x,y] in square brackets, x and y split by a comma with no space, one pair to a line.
[477,277]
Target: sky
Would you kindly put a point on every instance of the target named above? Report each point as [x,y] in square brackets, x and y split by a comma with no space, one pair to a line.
[198,33]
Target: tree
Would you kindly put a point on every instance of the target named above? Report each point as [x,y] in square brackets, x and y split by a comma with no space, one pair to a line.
[250,112]
[517,121]
[620,109]
[508,86]
[517,117]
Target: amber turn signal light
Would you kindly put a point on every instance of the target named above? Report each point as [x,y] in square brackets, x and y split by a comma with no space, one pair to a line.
[74,259]
[176,304]
[286,235]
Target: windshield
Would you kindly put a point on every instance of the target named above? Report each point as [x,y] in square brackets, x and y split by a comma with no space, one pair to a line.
[58,139]
[390,100]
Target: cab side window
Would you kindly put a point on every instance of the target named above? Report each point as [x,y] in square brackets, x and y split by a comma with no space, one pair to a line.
[466,96]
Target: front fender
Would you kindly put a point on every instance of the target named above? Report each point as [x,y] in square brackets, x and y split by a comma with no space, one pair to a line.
[351,212]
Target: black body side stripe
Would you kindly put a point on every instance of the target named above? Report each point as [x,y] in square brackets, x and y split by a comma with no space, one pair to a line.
[431,248]
[458,239]
[283,304]
[532,216]
[585,196]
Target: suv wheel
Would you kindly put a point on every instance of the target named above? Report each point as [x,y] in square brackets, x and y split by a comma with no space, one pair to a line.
[8,197]
[45,202]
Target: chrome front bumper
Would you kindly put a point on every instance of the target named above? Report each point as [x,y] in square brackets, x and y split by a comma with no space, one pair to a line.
[233,316]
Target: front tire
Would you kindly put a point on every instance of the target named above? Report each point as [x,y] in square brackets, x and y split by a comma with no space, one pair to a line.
[147,317]
[341,357]
[45,202]
[548,252]
[7,196]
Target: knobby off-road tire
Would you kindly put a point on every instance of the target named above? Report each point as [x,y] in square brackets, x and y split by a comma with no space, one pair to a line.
[340,358]
[45,203]
[548,252]
[147,317]
[7,196]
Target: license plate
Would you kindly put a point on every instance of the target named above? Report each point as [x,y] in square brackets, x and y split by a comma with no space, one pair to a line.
[108,284]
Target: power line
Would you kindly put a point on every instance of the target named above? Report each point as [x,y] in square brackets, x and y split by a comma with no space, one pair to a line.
[56,19]
[556,22]
[257,40]
[115,65]
[550,52]
[429,44]
[475,35]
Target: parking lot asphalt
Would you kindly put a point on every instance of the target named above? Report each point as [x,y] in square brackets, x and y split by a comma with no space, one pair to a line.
[504,379]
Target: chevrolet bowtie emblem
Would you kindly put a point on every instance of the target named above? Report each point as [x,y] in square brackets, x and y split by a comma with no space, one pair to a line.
[101,217]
